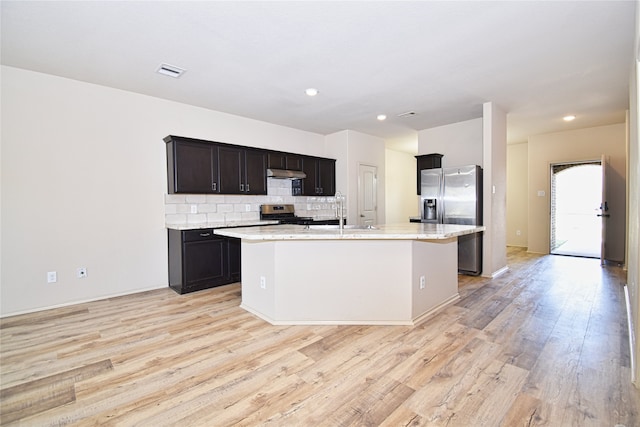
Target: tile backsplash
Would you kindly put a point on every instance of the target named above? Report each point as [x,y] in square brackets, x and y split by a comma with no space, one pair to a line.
[211,208]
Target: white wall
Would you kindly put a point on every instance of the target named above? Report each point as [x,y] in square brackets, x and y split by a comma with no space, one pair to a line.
[479,142]
[400,189]
[517,195]
[460,143]
[578,145]
[494,204]
[338,148]
[83,184]
[352,149]
[633,240]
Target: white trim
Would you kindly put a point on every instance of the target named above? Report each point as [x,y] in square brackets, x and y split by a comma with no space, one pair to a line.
[67,304]
[632,335]
[455,298]
[500,272]
[414,322]
[326,322]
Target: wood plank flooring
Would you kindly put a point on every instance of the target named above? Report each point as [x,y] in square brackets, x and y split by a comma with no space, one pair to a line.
[545,344]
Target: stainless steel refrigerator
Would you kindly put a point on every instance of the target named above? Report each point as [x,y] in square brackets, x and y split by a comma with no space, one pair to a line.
[454,196]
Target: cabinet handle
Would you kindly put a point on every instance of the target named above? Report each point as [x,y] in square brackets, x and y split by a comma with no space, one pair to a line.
[213,186]
[241,187]
[205,234]
[248,188]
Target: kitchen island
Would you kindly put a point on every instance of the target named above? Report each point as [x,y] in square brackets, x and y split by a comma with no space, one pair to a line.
[390,274]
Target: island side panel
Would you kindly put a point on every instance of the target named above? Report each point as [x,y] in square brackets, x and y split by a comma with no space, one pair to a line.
[258,261]
[343,281]
[437,261]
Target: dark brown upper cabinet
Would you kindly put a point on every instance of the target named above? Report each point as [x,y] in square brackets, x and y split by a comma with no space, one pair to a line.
[279,160]
[321,176]
[192,166]
[427,161]
[242,170]
[197,166]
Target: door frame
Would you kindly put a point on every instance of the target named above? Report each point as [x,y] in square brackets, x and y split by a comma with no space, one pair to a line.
[552,172]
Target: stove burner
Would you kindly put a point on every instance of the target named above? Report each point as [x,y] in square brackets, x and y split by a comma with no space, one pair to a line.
[285,214]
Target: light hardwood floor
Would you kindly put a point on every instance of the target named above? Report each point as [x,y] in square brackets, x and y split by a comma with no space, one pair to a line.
[545,344]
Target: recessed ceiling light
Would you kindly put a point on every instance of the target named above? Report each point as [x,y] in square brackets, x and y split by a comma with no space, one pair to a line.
[381,117]
[311,91]
[170,70]
[569,118]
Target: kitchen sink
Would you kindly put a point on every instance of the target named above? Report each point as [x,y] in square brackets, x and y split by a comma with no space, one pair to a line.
[337,227]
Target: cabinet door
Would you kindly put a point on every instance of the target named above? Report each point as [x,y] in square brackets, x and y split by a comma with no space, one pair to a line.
[255,172]
[293,162]
[277,160]
[234,259]
[204,263]
[427,161]
[309,187]
[193,168]
[230,164]
[326,177]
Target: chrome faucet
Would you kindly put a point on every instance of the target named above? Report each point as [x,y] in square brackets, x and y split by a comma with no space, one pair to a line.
[340,199]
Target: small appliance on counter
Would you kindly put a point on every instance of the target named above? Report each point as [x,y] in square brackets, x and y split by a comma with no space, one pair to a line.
[285,214]
[454,196]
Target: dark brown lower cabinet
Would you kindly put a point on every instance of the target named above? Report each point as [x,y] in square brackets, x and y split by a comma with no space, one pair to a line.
[234,259]
[199,259]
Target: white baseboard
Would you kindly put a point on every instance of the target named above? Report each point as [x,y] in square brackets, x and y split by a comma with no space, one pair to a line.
[632,335]
[70,303]
[500,272]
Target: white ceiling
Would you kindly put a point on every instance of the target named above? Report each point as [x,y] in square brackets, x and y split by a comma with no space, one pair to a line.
[537,60]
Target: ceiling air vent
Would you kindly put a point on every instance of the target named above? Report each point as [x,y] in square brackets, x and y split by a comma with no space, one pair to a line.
[170,70]
[407,114]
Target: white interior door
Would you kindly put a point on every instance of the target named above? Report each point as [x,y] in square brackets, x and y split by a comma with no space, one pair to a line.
[367,195]
[604,208]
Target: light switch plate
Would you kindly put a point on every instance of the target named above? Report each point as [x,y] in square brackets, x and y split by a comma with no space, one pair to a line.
[52,277]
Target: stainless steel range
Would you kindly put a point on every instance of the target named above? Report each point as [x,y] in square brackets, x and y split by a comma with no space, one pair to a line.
[286,214]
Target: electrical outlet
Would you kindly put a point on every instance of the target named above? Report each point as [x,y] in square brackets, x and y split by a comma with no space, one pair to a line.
[81,273]
[247,208]
[422,282]
[52,277]
[194,208]
[263,282]
[517,232]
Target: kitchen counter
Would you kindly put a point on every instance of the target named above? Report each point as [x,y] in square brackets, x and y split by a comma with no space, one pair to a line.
[404,231]
[201,225]
[394,274]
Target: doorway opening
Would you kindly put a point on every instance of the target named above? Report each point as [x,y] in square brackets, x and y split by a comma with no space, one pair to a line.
[576,195]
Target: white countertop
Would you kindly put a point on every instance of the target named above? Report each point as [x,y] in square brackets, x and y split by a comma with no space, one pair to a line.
[404,231]
[201,225]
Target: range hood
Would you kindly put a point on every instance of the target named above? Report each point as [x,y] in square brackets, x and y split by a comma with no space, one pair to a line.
[285,174]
